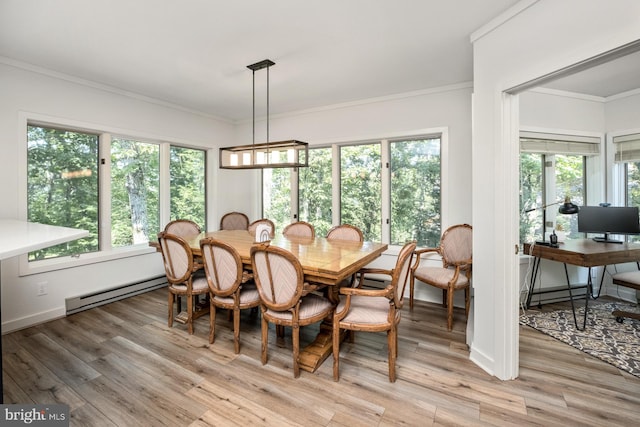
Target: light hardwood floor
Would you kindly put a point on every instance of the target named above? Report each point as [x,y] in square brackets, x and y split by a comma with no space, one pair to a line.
[120,364]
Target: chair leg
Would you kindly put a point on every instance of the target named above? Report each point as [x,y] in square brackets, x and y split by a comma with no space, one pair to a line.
[411,285]
[170,303]
[265,339]
[236,330]
[444,297]
[296,350]
[190,314]
[449,308]
[467,300]
[336,350]
[212,322]
[392,343]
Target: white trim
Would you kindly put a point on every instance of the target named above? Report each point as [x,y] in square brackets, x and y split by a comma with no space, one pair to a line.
[501,19]
[567,94]
[104,87]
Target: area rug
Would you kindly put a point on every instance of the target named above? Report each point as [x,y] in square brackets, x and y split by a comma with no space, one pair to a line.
[604,338]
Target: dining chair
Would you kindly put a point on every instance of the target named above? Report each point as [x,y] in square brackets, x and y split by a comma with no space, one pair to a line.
[345,232]
[254,225]
[456,250]
[180,270]
[374,310]
[182,228]
[234,221]
[350,233]
[230,287]
[286,299]
[299,228]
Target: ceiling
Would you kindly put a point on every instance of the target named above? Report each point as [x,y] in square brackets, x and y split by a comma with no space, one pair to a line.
[194,53]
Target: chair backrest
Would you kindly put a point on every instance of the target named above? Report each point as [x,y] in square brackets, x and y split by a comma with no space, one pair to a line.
[345,232]
[400,275]
[300,228]
[254,225]
[278,276]
[234,221]
[456,245]
[177,257]
[182,228]
[222,266]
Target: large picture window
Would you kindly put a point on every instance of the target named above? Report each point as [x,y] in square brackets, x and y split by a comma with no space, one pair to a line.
[62,186]
[390,189]
[65,169]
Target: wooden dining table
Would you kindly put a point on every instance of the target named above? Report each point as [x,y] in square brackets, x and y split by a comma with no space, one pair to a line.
[323,261]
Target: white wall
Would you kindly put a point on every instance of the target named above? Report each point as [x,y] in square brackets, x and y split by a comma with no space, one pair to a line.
[542,37]
[29,92]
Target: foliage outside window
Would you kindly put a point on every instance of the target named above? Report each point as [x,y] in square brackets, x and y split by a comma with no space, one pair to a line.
[566,175]
[62,186]
[314,189]
[361,189]
[415,192]
[413,177]
[632,187]
[135,191]
[276,196]
[187,168]
[63,190]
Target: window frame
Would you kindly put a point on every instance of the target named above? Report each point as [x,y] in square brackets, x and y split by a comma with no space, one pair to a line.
[106,252]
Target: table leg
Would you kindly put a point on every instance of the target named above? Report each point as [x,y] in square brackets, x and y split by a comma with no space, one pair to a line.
[532,283]
[586,301]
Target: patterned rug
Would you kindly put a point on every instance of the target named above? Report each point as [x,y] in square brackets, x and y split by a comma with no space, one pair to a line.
[604,338]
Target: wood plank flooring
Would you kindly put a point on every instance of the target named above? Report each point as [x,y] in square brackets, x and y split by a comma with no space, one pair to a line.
[120,365]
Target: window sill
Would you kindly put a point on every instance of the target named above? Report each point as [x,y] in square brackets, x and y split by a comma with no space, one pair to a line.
[36,267]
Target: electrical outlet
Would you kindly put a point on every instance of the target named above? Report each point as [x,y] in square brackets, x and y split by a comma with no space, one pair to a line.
[42,288]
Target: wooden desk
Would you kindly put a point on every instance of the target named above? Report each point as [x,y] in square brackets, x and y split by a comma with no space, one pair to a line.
[323,261]
[583,253]
[20,237]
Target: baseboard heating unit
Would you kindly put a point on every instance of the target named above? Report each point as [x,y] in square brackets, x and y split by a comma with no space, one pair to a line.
[95,299]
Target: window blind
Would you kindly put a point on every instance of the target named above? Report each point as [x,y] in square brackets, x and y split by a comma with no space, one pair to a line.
[548,143]
[627,148]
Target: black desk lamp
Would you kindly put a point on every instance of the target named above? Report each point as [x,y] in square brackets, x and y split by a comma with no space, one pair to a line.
[567,208]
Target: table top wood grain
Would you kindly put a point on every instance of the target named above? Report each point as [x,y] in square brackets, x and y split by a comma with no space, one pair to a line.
[323,261]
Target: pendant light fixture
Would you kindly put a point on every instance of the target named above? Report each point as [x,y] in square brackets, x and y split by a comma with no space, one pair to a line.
[281,154]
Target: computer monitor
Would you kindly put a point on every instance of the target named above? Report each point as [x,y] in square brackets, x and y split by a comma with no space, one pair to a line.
[608,220]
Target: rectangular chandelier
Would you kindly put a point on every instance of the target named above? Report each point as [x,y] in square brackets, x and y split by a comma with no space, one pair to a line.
[282,154]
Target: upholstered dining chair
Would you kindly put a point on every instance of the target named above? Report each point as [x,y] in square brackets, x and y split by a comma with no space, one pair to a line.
[345,232]
[374,310]
[234,221]
[182,228]
[254,225]
[230,286]
[180,270]
[286,300]
[456,249]
[300,228]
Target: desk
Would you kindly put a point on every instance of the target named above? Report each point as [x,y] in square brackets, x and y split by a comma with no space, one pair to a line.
[323,261]
[19,237]
[583,253]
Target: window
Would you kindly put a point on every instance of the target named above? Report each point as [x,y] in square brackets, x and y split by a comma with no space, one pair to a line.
[65,168]
[315,190]
[361,189]
[415,192]
[391,190]
[627,157]
[62,186]
[552,167]
[135,191]
[187,168]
